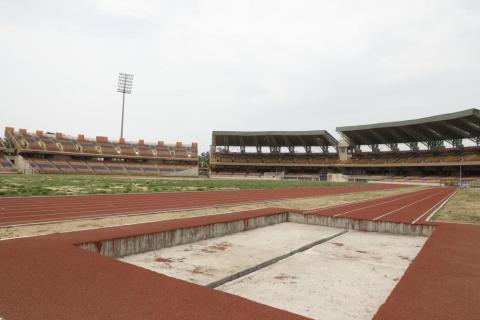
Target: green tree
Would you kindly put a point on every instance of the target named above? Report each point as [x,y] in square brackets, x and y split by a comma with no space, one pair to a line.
[204,160]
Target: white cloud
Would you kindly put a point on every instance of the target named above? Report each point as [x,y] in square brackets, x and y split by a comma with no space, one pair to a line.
[251,65]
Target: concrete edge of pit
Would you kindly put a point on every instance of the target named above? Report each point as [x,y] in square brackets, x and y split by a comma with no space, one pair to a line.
[134,244]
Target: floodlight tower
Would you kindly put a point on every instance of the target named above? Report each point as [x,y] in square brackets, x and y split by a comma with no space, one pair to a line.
[125,83]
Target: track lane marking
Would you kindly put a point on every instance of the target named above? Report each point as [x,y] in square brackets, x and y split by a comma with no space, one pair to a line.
[406,206]
[440,204]
[377,204]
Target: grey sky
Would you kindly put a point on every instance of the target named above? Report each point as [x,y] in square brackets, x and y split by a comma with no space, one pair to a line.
[233,65]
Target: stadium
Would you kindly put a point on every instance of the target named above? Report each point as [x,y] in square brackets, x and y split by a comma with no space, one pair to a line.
[286,224]
[437,149]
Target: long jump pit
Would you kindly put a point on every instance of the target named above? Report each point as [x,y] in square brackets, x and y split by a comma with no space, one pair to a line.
[315,271]
[260,264]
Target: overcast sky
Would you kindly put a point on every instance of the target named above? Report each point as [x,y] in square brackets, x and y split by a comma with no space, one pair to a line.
[233,65]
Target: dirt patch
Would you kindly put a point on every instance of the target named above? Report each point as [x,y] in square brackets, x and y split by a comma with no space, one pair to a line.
[201,270]
[283,276]
[164,260]
[222,246]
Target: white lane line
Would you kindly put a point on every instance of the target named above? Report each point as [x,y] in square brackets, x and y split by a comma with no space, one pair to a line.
[408,205]
[373,205]
[435,208]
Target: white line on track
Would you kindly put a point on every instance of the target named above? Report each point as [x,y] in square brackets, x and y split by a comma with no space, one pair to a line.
[435,208]
[362,200]
[373,205]
[406,206]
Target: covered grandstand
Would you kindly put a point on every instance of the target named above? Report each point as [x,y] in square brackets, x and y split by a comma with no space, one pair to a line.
[438,146]
[443,147]
[41,152]
[270,153]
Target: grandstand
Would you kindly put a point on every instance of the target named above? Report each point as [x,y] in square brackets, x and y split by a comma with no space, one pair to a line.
[56,153]
[6,165]
[271,153]
[437,148]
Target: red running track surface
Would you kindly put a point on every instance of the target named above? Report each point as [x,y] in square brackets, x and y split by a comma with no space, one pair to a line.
[49,277]
[413,207]
[443,282]
[24,210]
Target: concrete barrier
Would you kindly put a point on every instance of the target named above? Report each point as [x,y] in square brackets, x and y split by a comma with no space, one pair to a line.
[363,225]
[149,242]
[154,241]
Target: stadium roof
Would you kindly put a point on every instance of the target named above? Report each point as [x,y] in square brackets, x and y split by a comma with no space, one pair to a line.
[273,138]
[457,125]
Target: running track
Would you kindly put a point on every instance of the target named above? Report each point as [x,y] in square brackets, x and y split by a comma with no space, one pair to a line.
[413,207]
[71,283]
[24,210]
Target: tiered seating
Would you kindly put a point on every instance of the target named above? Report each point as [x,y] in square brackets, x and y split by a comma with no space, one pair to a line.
[80,166]
[146,151]
[6,166]
[44,166]
[133,168]
[28,141]
[115,167]
[90,147]
[283,158]
[421,157]
[128,149]
[109,149]
[98,167]
[59,143]
[58,153]
[64,166]
[150,169]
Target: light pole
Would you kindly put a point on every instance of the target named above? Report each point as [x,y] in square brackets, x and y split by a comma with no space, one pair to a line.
[125,83]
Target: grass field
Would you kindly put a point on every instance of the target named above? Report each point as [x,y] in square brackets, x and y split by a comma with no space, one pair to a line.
[24,185]
[464,206]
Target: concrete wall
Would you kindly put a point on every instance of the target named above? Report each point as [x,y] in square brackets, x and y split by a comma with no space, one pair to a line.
[363,225]
[23,165]
[149,242]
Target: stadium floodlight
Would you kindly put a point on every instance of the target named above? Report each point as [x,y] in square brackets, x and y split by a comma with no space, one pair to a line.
[125,83]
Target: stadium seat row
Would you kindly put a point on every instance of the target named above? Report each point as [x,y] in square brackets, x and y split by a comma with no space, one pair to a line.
[104,167]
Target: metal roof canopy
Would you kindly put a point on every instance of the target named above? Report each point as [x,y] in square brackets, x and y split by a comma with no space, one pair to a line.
[273,138]
[450,126]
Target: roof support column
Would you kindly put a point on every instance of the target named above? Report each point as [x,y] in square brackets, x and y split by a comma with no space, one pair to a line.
[274,149]
[291,149]
[324,149]
[375,148]
[393,147]
[356,149]
[435,144]
[456,143]
[476,140]
[308,149]
[413,146]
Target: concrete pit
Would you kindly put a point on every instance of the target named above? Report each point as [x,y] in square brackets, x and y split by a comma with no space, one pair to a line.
[346,277]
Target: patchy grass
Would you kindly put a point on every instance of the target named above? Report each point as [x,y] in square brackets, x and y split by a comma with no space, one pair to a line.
[464,206]
[25,185]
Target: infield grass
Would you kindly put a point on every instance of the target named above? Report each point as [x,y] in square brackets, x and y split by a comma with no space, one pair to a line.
[25,185]
[464,207]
